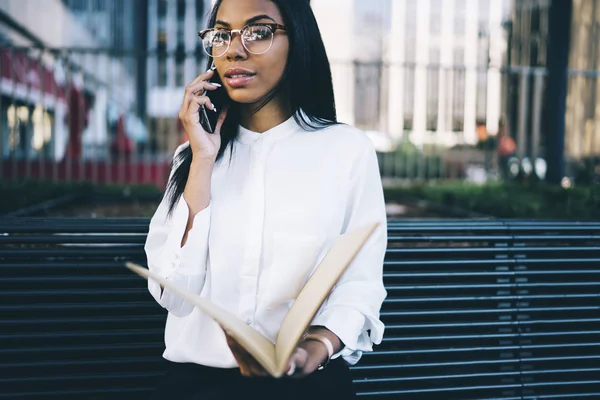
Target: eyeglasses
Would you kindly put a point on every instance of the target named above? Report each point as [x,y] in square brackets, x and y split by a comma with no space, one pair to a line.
[256,38]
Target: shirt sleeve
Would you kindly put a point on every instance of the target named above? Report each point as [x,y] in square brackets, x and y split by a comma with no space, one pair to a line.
[353,307]
[184,265]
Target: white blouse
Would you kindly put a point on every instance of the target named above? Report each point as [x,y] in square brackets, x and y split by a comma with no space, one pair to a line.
[277,205]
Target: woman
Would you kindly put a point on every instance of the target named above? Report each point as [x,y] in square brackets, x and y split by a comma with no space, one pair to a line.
[251,209]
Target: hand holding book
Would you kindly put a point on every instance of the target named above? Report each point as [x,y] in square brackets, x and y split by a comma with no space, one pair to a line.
[274,358]
[249,366]
[306,359]
[314,352]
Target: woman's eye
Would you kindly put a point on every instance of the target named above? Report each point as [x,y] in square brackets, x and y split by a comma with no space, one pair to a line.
[257,33]
[219,39]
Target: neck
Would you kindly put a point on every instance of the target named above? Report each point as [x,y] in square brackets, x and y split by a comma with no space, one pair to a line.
[271,115]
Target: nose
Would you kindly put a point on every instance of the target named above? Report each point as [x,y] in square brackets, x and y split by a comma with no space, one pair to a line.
[236,50]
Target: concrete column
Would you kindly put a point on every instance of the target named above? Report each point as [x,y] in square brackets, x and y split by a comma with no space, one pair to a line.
[494,77]
[446,72]
[171,24]
[336,22]
[152,65]
[422,60]
[470,110]
[191,39]
[396,59]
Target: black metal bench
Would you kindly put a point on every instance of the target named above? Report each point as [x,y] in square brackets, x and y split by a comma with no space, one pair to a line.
[476,310]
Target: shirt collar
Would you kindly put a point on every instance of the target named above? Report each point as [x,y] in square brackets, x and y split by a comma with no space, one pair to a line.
[284,129]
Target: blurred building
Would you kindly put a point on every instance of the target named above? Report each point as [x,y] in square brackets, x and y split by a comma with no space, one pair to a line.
[525,99]
[118,69]
[175,58]
[157,41]
[524,86]
[62,78]
[119,29]
[583,99]
[159,44]
[429,70]
[452,57]
[336,20]
[33,101]
[104,79]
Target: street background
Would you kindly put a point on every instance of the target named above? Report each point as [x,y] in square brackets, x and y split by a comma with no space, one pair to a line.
[476,107]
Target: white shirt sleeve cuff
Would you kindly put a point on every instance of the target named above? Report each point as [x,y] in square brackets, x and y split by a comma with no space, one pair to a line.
[347,324]
[185,259]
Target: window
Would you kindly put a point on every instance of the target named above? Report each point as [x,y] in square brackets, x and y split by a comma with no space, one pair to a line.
[435,25]
[28,131]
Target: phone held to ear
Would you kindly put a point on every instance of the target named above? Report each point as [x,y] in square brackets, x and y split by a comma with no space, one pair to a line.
[208,118]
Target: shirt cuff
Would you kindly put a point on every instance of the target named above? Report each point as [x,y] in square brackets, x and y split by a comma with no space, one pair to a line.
[347,324]
[185,258]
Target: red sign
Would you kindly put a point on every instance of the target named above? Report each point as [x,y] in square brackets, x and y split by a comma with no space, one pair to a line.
[24,77]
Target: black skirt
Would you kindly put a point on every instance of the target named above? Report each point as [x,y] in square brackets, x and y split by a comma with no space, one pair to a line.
[197,382]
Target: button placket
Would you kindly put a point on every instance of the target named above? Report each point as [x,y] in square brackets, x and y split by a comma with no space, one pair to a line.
[176,260]
[254,232]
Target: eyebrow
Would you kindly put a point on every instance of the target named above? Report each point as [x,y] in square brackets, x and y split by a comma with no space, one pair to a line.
[251,20]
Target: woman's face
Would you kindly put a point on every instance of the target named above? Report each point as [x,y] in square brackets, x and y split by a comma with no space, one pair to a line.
[257,74]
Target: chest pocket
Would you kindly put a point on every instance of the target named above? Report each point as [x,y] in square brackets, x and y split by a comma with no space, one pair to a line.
[293,259]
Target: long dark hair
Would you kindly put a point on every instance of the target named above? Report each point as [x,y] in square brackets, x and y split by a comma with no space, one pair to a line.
[306,79]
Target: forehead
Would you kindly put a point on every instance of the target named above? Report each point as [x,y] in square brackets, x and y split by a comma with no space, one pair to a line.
[238,12]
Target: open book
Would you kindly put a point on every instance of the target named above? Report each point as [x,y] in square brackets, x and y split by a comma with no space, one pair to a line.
[275,357]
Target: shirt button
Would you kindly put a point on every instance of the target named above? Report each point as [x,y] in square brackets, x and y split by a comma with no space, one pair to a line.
[249,321]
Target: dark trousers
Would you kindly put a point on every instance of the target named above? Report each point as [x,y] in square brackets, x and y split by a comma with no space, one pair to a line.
[197,382]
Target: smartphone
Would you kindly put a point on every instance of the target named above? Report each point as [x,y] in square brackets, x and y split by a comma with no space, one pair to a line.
[208,118]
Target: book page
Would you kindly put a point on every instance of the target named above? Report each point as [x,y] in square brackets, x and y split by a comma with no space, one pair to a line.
[317,289]
[256,344]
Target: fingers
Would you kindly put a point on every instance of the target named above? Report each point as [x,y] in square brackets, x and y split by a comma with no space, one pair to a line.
[201,83]
[189,110]
[240,363]
[203,77]
[196,94]
[291,369]
[199,86]
[238,355]
[248,365]
[195,97]
[298,363]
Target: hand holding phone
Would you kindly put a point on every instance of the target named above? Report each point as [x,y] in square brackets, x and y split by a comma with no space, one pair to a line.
[196,106]
[209,118]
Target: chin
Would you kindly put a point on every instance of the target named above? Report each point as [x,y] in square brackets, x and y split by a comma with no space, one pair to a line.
[245,96]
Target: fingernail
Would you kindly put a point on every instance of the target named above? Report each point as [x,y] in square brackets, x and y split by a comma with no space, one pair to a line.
[291,370]
[216,84]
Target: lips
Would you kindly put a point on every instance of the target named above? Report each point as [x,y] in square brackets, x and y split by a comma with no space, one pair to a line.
[238,77]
